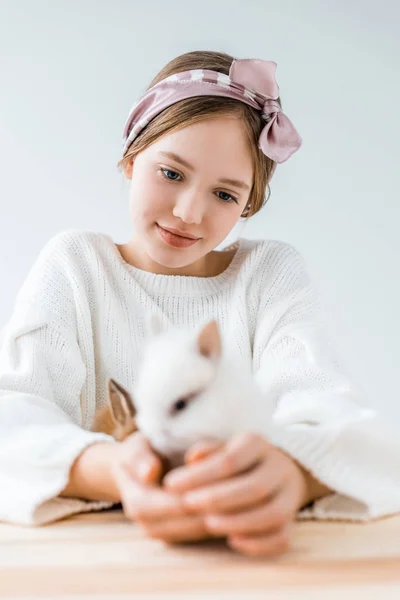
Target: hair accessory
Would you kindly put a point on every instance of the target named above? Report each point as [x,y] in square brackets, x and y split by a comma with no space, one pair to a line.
[250,80]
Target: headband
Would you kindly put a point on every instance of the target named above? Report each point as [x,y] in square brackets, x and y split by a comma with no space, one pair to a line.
[251,81]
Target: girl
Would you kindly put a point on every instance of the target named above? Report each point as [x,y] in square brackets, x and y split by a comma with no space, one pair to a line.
[199,150]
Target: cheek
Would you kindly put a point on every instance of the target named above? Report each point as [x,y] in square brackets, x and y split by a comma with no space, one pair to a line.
[149,199]
[224,221]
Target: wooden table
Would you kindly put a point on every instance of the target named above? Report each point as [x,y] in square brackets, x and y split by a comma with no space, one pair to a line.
[102,554]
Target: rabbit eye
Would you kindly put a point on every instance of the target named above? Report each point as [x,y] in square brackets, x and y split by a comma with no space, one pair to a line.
[182,403]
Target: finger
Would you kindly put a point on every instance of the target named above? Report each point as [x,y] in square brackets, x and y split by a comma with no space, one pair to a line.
[146,466]
[201,450]
[179,529]
[237,455]
[274,544]
[140,502]
[237,493]
[264,518]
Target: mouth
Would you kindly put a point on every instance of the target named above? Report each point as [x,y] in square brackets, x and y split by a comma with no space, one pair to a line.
[174,239]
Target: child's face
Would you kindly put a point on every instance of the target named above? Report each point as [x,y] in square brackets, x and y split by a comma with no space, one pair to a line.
[168,194]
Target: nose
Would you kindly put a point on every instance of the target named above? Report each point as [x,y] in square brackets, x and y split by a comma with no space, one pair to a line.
[189,207]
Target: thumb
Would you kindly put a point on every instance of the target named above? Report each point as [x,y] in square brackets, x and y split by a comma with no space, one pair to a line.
[149,469]
[144,464]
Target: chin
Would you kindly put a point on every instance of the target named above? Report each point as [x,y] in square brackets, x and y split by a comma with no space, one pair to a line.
[169,257]
[170,260]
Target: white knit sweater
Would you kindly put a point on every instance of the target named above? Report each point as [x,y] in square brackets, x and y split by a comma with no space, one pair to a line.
[78,320]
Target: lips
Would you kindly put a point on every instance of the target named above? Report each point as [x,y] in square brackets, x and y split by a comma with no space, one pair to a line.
[172,239]
[183,234]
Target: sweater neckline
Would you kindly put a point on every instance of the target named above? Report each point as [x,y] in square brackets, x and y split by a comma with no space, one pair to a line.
[187,285]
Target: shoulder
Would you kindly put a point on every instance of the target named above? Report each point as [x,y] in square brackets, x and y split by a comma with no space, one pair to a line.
[70,244]
[274,271]
[66,261]
[74,251]
[270,258]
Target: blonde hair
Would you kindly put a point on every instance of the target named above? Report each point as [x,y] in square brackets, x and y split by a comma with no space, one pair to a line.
[192,110]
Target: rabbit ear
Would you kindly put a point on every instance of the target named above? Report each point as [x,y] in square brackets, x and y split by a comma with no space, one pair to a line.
[209,340]
[154,325]
[121,403]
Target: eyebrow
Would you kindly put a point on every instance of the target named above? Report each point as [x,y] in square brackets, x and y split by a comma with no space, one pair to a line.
[235,182]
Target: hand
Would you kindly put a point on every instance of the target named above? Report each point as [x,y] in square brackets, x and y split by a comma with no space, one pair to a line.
[137,473]
[248,490]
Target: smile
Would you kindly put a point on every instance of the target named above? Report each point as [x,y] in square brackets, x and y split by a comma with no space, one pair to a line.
[172,239]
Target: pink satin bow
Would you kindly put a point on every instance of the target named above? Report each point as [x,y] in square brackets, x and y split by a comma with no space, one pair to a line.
[279,138]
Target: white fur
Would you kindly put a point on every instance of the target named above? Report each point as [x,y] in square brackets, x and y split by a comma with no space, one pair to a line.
[173,367]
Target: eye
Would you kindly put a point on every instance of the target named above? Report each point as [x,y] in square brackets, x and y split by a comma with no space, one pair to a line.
[182,403]
[228,197]
[165,171]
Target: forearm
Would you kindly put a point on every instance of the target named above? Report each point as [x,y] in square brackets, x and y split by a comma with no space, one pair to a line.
[91,475]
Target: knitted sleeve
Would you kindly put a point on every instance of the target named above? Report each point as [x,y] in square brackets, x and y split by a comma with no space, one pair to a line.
[41,377]
[320,417]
